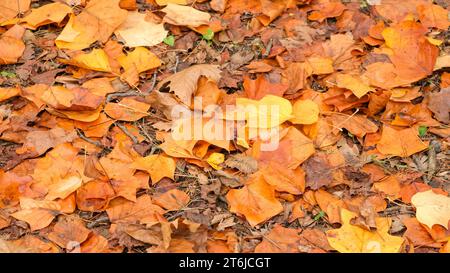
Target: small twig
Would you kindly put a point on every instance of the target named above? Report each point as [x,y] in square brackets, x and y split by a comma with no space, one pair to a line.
[177,61]
[112,96]
[431,161]
[268,49]
[126,132]
[155,74]
[85,138]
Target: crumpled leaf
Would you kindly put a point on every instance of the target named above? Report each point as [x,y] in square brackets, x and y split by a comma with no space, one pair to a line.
[184,83]
[256,201]
[215,159]
[350,238]
[139,31]
[185,16]
[432,208]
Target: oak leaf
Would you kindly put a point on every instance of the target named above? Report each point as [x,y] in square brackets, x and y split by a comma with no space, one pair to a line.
[158,166]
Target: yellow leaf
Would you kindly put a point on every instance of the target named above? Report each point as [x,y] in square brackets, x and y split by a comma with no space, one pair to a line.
[139,60]
[268,112]
[432,208]
[354,239]
[137,31]
[215,159]
[356,85]
[305,112]
[95,60]
[158,166]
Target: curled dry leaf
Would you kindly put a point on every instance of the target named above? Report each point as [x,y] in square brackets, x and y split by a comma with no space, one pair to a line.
[185,16]
[184,83]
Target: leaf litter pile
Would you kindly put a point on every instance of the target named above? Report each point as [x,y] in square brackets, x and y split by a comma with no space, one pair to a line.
[88,162]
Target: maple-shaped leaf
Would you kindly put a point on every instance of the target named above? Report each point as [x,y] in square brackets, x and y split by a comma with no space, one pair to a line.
[10,8]
[158,166]
[256,201]
[403,142]
[432,208]
[97,21]
[354,239]
[69,232]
